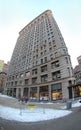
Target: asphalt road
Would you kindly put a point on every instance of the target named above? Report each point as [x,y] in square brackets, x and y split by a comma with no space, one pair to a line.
[69,122]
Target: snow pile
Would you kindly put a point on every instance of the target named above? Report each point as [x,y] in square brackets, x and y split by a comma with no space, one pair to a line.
[5,96]
[77,104]
[38,114]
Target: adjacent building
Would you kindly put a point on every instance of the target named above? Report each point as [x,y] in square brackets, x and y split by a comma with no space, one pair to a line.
[77,74]
[3,74]
[77,71]
[79,61]
[75,90]
[40,67]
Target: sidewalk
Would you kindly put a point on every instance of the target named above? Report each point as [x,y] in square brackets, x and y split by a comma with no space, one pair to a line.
[69,122]
[14,103]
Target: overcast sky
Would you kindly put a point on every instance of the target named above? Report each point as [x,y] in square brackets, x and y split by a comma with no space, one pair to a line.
[15,14]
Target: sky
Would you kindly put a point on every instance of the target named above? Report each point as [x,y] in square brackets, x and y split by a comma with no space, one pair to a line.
[16,14]
[32,115]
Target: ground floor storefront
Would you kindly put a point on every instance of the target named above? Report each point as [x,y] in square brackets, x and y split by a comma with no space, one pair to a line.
[47,92]
[74,91]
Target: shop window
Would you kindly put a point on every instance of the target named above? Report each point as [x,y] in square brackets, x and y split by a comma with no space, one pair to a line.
[33,89]
[43,88]
[57,95]
[33,93]
[25,92]
[56,91]
[77,91]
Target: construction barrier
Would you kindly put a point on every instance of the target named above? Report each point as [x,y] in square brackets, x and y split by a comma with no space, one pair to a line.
[31,106]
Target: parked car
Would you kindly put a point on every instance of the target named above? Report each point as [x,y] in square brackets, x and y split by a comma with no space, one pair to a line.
[44,98]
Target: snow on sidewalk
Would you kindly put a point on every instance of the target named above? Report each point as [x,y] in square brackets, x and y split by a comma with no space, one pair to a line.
[38,114]
[32,115]
[28,115]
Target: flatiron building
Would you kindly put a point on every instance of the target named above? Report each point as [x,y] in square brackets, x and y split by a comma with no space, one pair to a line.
[40,66]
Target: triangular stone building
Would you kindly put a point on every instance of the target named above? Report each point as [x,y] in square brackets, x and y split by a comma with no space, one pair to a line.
[40,67]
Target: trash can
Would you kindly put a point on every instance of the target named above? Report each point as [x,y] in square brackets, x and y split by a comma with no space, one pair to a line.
[69,104]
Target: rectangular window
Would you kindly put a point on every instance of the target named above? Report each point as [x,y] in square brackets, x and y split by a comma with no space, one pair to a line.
[21,75]
[34,71]
[68,69]
[12,77]
[55,64]
[34,80]
[17,76]
[56,91]
[44,68]
[56,75]
[41,61]
[26,81]
[11,83]
[44,78]
[45,59]
[56,86]
[16,82]
[66,60]
[27,74]
[20,82]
